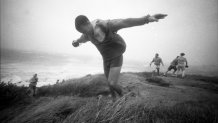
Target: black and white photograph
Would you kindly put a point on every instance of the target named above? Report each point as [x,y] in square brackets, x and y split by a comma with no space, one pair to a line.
[109,61]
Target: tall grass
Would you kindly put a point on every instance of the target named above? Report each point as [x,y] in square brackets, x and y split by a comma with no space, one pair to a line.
[11,94]
[125,110]
[84,87]
[73,102]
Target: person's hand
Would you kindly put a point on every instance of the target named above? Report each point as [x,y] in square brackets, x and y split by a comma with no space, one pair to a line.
[152,19]
[75,44]
[156,17]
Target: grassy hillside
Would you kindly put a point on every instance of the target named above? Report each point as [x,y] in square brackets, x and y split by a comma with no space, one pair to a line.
[146,99]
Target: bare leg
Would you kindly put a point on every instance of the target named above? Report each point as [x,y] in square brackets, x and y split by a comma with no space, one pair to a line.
[166,71]
[175,69]
[158,71]
[31,92]
[165,74]
[34,91]
[113,80]
[177,72]
[153,73]
[183,73]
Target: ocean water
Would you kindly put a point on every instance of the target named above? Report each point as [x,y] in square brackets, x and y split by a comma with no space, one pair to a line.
[19,66]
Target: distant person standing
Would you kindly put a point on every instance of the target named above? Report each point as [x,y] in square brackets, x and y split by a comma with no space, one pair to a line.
[32,86]
[157,61]
[173,66]
[182,64]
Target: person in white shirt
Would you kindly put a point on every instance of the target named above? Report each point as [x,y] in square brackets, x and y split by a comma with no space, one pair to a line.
[182,64]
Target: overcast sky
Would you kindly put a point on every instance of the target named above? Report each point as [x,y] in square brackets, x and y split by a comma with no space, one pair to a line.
[48,25]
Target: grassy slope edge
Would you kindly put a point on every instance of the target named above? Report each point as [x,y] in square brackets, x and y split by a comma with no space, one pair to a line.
[147,99]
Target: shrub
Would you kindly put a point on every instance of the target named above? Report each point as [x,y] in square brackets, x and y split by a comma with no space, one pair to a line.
[11,94]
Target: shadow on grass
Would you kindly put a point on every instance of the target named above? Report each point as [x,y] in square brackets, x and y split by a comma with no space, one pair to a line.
[158,81]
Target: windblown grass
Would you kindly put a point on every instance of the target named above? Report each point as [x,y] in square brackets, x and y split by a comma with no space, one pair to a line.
[75,101]
[84,87]
[125,110]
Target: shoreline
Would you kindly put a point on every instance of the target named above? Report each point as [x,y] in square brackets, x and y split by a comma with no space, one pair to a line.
[53,81]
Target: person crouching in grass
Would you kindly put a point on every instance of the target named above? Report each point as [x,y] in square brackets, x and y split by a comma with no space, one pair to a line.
[103,34]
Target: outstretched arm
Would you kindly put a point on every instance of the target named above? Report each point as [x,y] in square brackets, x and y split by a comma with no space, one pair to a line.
[118,24]
[162,62]
[151,62]
[82,39]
